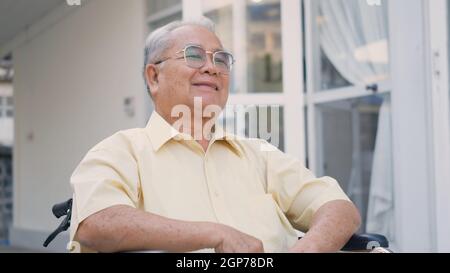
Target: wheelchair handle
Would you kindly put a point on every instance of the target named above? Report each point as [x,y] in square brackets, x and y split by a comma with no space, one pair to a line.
[59,210]
[62,209]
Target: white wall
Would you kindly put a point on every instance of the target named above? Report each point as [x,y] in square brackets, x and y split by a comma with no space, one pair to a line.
[70,83]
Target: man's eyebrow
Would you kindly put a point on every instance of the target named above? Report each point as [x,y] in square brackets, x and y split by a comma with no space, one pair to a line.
[214,49]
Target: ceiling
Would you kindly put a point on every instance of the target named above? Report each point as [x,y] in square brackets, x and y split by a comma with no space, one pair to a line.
[16,15]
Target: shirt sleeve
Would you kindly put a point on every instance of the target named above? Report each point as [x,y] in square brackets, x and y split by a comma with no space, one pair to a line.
[104,178]
[298,192]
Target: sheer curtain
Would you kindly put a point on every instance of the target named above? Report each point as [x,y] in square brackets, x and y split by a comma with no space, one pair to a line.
[354,37]
[380,213]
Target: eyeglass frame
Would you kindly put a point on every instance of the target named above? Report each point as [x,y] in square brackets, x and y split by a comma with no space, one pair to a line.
[213,53]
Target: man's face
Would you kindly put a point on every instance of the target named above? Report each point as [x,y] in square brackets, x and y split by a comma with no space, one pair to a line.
[176,83]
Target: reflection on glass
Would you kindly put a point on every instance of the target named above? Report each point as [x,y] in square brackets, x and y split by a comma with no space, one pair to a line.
[255,121]
[264,46]
[351,43]
[354,146]
[155,6]
[254,36]
[222,18]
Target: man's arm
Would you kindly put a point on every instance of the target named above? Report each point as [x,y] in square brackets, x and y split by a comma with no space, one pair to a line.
[123,228]
[332,226]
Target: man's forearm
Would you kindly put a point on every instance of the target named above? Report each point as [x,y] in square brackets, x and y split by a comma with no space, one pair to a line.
[332,225]
[122,228]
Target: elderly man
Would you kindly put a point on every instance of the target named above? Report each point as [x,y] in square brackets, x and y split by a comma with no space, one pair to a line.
[161,188]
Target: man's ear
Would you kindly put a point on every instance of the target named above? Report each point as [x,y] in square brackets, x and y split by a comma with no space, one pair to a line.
[151,75]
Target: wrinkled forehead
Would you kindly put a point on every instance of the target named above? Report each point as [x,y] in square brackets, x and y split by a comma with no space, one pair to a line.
[194,35]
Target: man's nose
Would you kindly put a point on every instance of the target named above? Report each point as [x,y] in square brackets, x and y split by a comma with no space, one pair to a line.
[209,66]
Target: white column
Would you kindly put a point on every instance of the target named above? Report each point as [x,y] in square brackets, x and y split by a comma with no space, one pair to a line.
[239,45]
[439,77]
[292,42]
[314,153]
[410,127]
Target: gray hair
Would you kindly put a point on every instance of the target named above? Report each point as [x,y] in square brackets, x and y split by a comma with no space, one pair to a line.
[160,40]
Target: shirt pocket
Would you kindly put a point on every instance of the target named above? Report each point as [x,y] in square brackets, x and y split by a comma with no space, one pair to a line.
[271,225]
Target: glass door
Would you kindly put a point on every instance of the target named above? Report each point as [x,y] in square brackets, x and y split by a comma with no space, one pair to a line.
[348,105]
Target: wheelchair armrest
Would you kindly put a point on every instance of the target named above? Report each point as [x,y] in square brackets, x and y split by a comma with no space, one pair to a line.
[366,241]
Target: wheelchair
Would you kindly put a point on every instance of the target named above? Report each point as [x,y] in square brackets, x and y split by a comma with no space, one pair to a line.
[365,242]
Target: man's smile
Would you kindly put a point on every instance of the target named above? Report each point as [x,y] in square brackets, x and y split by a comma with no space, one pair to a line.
[206,85]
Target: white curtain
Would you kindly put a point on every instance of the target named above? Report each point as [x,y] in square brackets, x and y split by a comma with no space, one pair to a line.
[354,37]
[380,213]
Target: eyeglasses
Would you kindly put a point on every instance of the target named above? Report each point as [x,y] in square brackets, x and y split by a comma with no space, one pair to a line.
[195,57]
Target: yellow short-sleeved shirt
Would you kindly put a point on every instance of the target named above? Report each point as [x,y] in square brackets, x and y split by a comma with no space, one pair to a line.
[244,183]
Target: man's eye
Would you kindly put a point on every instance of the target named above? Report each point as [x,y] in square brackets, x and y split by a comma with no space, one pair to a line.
[194,57]
[221,62]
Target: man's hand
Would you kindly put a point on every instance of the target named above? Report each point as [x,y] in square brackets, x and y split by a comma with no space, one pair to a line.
[231,240]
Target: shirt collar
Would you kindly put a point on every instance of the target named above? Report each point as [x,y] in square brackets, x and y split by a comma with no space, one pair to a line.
[160,132]
[221,134]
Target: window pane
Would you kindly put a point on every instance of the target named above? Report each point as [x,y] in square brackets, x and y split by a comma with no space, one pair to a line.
[254,36]
[9,113]
[264,46]
[354,146]
[222,18]
[155,6]
[350,42]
